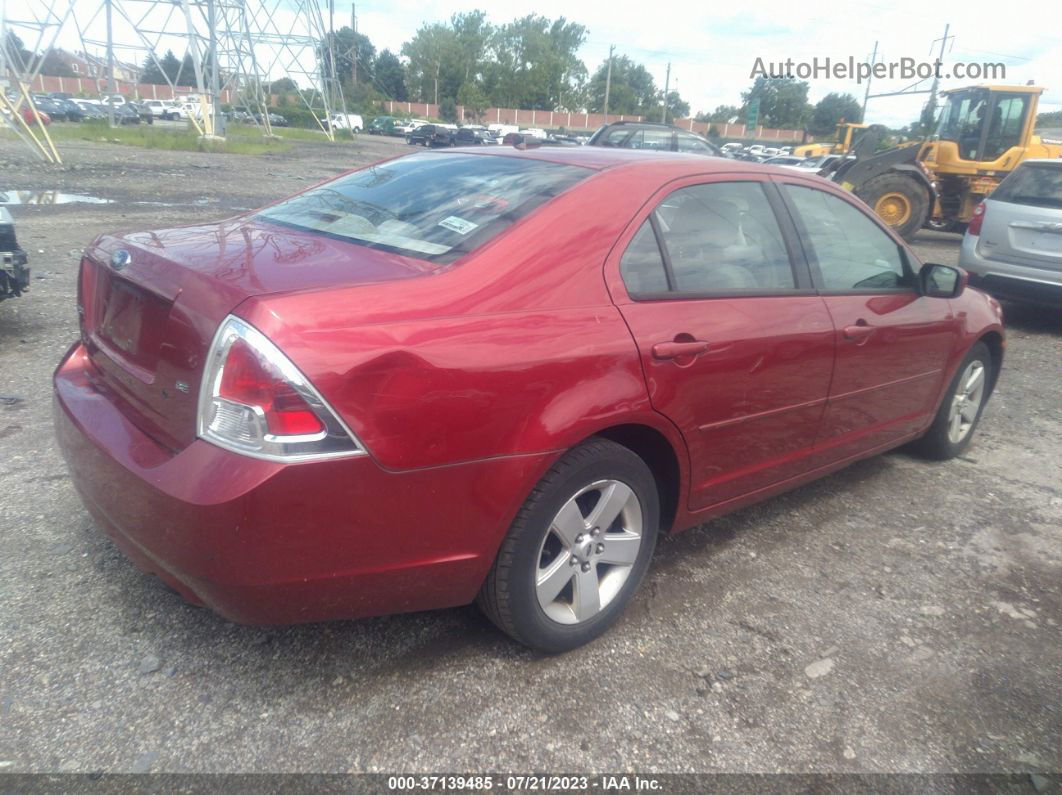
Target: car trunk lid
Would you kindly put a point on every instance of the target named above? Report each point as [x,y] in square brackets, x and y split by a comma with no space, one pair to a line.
[150,303]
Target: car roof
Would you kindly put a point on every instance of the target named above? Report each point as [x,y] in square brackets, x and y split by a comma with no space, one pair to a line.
[1050,161]
[601,158]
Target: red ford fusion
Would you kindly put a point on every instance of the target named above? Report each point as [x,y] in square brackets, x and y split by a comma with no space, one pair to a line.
[496,376]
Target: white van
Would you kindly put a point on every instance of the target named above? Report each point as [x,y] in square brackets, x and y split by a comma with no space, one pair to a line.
[346,121]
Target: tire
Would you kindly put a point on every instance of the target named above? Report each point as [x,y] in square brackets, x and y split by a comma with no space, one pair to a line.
[940,441]
[598,474]
[900,201]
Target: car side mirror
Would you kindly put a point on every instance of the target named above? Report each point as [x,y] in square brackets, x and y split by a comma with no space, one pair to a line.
[942,281]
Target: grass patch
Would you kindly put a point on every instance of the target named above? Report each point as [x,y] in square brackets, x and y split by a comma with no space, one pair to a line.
[240,139]
[148,136]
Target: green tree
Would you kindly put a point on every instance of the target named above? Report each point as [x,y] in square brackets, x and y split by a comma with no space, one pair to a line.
[15,52]
[783,101]
[474,101]
[284,85]
[55,65]
[158,72]
[428,50]
[390,76]
[721,115]
[632,91]
[346,47]
[535,64]
[677,107]
[832,109]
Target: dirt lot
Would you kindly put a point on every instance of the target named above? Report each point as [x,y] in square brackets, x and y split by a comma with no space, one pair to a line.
[897,616]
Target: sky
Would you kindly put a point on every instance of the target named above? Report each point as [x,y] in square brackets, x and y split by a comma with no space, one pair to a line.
[712,47]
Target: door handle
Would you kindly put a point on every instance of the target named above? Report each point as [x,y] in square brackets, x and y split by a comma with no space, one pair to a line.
[858,332]
[677,348]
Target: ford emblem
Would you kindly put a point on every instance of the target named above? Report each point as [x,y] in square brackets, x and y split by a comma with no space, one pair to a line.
[120,258]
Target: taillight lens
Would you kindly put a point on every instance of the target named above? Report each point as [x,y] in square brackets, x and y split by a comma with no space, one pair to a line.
[254,401]
[976,220]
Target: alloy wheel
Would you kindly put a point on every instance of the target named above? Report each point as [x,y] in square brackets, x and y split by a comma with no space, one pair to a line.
[966,401]
[589,551]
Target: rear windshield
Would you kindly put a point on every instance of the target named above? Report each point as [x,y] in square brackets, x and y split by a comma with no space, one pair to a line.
[1032,183]
[432,206]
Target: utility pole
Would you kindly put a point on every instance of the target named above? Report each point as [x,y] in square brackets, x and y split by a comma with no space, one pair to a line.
[667,84]
[111,90]
[215,84]
[940,59]
[866,96]
[354,48]
[608,78]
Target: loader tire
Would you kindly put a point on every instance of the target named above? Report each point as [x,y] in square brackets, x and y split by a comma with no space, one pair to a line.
[899,201]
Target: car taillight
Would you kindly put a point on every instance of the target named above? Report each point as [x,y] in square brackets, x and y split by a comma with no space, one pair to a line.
[978,218]
[254,401]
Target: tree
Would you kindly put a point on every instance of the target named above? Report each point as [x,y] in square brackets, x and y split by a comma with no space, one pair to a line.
[783,101]
[15,52]
[832,109]
[473,99]
[632,92]
[427,50]
[677,108]
[54,64]
[723,114]
[345,44]
[284,85]
[390,76]
[158,72]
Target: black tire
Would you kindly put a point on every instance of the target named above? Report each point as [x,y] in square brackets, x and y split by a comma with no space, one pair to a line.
[908,187]
[508,596]
[936,443]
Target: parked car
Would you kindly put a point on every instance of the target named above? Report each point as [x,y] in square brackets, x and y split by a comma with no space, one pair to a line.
[654,137]
[92,111]
[30,117]
[1013,243]
[55,111]
[431,135]
[427,381]
[144,113]
[472,136]
[275,119]
[346,121]
[71,109]
[383,125]
[14,272]
[409,125]
[162,109]
[788,161]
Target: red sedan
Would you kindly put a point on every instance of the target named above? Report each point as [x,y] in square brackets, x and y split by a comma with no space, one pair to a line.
[497,375]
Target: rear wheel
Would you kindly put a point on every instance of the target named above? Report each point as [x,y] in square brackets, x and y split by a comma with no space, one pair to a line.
[953,427]
[899,201]
[577,549]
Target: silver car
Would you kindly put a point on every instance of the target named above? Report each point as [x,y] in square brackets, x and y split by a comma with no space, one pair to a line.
[1013,245]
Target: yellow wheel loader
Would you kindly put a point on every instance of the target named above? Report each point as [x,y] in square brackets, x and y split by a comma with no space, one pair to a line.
[982,133]
[842,142]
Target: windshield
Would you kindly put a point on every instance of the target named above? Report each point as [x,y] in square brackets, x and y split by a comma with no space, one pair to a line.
[433,206]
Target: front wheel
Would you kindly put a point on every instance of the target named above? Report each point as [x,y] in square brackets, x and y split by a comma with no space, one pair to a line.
[899,200]
[577,549]
[953,427]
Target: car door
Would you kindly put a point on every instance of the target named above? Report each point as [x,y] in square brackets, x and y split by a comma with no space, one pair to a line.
[892,342]
[736,346]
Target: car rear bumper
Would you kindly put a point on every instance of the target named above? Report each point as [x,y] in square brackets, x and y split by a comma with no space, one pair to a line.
[1009,280]
[267,543]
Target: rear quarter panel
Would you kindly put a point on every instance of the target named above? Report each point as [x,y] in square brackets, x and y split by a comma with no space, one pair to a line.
[517,349]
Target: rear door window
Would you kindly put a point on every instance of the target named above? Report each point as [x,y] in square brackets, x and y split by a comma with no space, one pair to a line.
[713,239]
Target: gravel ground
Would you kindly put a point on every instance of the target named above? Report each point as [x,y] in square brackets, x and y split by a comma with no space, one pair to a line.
[898,616]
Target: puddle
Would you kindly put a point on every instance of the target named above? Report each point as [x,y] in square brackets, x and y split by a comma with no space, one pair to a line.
[48,197]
